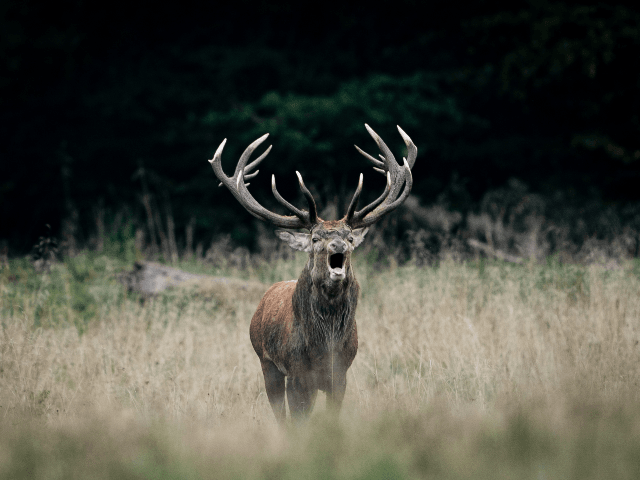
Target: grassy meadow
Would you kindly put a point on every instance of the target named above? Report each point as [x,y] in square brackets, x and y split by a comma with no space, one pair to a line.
[472,370]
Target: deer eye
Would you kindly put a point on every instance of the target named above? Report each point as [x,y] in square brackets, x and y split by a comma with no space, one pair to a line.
[350,238]
[315,239]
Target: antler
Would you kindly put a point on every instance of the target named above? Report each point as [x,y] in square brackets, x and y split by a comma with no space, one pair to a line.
[237,186]
[396,175]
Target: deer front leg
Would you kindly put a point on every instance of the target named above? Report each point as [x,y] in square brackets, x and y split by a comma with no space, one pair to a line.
[336,391]
[301,394]
[274,385]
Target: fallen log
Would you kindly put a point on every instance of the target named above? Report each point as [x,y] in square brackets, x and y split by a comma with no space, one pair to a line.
[483,247]
[150,278]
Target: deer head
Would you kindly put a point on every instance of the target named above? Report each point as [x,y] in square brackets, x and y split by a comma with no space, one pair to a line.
[329,246]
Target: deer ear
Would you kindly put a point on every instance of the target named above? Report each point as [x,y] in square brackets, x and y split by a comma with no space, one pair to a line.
[358,235]
[296,240]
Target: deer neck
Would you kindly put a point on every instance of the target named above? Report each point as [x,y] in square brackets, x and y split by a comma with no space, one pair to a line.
[316,295]
[325,321]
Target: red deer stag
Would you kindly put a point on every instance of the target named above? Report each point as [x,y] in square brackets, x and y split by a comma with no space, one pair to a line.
[306,329]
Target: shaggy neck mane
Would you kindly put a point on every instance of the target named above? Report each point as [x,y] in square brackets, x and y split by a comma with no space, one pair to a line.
[314,309]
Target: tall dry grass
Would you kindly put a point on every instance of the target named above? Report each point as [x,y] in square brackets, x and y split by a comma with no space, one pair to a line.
[500,332]
[456,366]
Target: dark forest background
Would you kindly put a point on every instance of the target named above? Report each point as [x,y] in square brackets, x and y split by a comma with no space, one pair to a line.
[525,117]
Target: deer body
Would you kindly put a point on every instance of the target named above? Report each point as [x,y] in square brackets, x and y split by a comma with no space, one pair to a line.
[305,330]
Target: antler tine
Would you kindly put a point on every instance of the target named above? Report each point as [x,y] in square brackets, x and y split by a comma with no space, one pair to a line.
[377,201]
[216,163]
[313,211]
[253,164]
[311,217]
[297,212]
[257,161]
[244,158]
[390,163]
[251,175]
[375,161]
[238,188]
[412,150]
[354,201]
[397,177]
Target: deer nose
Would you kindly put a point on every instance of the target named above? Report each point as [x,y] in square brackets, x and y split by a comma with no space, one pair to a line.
[337,246]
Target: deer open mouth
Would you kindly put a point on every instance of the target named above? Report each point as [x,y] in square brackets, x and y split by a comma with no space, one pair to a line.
[336,260]
[336,266]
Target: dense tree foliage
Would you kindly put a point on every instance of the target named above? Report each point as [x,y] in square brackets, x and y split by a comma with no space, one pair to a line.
[100,106]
